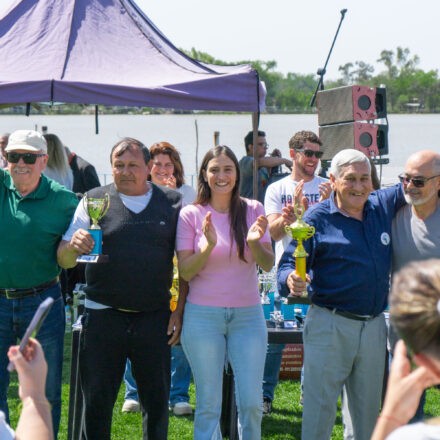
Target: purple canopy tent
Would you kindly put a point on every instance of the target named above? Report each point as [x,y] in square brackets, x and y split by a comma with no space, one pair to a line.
[108,52]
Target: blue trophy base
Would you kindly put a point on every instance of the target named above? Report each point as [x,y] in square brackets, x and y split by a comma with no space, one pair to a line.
[92,258]
[95,255]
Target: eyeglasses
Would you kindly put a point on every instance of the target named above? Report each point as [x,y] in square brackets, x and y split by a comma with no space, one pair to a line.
[418,182]
[263,144]
[311,153]
[28,158]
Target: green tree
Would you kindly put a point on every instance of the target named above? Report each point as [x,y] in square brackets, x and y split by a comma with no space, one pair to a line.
[363,73]
[347,73]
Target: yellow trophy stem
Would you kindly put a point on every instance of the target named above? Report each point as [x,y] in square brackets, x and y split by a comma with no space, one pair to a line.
[300,255]
[300,263]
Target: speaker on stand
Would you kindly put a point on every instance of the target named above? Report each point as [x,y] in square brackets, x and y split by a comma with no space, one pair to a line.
[353,117]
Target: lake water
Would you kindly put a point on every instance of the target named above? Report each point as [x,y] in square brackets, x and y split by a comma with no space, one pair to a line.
[407,134]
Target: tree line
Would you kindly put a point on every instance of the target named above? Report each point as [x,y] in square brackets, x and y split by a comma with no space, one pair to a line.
[408,88]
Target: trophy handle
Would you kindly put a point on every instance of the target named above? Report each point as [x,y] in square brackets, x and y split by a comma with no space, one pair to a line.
[310,232]
[107,204]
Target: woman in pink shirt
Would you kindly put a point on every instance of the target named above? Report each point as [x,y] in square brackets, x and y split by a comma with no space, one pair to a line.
[221,239]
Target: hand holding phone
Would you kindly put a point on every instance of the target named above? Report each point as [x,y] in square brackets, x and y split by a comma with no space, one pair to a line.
[34,326]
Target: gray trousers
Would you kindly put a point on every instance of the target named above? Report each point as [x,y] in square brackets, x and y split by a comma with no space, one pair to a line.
[339,351]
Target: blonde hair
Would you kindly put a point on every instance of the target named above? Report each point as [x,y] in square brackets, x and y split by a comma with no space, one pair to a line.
[58,167]
[415,306]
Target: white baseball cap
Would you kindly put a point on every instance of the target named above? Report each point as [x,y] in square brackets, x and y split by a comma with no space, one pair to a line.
[29,140]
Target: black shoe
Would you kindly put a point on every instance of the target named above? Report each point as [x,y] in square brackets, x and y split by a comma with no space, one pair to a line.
[267,406]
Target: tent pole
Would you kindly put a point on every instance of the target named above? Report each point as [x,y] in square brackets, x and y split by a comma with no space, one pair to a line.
[255,123]
[96,120]
[197,148]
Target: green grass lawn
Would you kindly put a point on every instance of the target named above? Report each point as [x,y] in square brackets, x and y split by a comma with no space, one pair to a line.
[283,424]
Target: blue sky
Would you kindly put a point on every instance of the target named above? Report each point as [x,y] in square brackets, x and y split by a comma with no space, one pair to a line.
[297,34]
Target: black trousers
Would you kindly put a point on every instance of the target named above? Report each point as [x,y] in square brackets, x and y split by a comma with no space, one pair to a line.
[108,338]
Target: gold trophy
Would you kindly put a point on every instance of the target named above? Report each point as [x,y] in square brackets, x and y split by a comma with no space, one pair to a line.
[299,230]
[96,209]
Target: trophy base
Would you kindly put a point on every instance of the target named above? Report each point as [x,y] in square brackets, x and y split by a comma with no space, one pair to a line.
[90,258]
[298,300]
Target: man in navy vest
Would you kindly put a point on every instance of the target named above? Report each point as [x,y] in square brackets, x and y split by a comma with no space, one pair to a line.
[127,299]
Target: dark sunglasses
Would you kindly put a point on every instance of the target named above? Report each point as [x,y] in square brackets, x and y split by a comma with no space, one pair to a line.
[418,182]
[28,158]
[311,153]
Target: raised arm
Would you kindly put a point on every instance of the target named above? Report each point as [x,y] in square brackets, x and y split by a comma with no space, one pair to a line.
[35,419]
[270,162]
[190,262]
[262,252]
[404,390]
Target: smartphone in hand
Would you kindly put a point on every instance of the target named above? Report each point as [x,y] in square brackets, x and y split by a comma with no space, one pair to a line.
[34,326]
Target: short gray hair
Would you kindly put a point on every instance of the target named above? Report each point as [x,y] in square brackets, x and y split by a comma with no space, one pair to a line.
[347,157]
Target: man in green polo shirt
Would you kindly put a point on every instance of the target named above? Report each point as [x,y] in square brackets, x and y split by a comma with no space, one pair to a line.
[35,211]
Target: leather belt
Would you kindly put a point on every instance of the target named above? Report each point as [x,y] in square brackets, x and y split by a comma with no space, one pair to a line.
[350,315]
[31,291]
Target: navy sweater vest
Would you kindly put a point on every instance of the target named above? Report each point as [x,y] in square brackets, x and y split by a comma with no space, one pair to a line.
[140,247]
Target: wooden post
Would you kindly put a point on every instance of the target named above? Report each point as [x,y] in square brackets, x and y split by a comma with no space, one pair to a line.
[216,138]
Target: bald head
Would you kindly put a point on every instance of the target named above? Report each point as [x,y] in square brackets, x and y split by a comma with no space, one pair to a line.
[427,160]
[422,185]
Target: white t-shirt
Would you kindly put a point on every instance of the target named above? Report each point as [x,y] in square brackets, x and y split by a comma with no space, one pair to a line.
[6,433]
[416,431]
[279,194]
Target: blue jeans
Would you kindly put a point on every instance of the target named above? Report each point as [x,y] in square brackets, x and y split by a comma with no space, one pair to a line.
[180,378]
[212,336]
[15,316]
[130,384]
[274,356]
[272,366]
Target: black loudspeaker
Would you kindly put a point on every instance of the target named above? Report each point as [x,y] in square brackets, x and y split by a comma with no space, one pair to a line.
[371,139]
[350,103]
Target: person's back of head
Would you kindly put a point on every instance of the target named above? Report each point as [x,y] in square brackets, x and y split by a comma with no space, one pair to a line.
[415,306]
[58,163]
[3,143]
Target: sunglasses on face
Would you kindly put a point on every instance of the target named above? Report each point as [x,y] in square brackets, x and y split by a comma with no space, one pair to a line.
[418,182]
[311,153]
[28,158]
